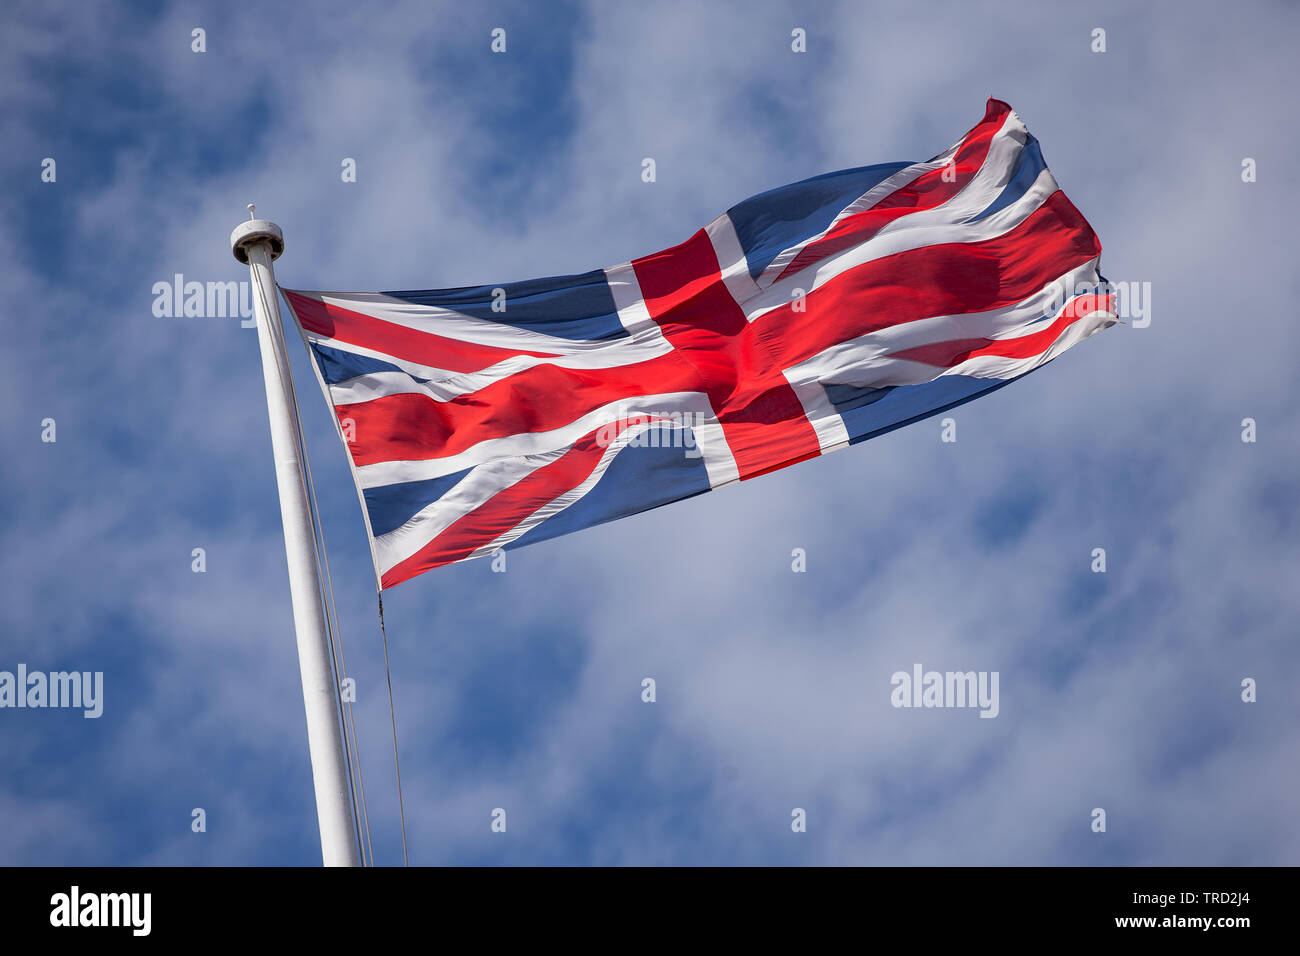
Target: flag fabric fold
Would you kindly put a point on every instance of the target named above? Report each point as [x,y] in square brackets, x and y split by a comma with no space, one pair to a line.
[802,320]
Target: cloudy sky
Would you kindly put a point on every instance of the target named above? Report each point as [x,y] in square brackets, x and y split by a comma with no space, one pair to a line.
[522,690]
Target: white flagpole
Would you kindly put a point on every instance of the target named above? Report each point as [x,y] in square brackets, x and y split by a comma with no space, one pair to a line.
[258,243]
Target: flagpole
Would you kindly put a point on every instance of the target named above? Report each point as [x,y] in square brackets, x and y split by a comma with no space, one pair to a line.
[258,243]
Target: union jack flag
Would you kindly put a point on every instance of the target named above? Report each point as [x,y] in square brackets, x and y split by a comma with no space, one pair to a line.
[804,319]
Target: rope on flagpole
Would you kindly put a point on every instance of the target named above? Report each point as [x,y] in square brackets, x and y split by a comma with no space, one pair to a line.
[392,714]
[341,662]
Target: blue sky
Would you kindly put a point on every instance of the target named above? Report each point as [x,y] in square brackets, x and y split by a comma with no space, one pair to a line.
[522,690]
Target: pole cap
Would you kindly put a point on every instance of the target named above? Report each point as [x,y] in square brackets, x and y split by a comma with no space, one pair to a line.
[254,231]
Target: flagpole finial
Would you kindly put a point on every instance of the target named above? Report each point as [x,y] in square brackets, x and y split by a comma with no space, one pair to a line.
[252,231]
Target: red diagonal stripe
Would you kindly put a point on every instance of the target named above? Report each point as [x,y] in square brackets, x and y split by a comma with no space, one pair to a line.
[506,509]
[948,354]
[411,345]
[946,279]
[417,427]
[925,192]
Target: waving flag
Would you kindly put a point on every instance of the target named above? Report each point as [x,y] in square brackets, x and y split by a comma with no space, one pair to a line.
[804,319]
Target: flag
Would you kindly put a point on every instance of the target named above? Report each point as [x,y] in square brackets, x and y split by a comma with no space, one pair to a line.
[804,319]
